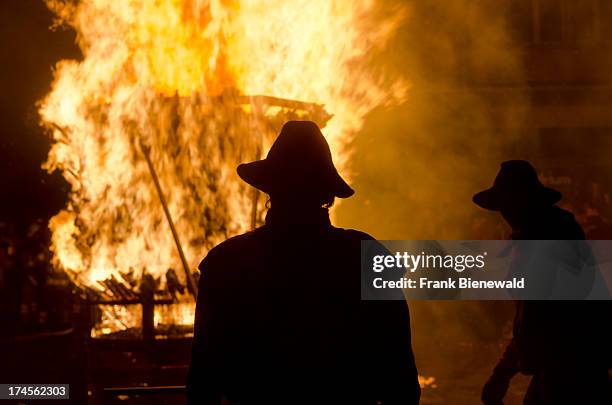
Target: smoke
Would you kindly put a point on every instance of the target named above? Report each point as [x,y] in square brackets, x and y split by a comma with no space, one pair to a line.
[416,166]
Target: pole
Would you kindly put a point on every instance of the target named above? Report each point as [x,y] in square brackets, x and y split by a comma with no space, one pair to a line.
[190,282]
[255,199]
[147,297]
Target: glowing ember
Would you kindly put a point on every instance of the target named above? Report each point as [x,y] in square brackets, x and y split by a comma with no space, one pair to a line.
[427,382]
[175,77]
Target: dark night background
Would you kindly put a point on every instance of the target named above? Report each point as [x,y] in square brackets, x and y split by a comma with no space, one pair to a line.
[29,52]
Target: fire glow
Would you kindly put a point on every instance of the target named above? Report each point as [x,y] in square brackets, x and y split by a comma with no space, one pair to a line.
[199,85]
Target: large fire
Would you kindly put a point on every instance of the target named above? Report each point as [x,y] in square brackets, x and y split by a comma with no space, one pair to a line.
[199,86]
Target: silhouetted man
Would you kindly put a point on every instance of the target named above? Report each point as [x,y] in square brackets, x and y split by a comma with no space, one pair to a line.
[279,319]
[564,345]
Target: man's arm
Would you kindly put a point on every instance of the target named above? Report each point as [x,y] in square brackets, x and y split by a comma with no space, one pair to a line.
[397,379]
[203,385]
[496,387]
[392,374]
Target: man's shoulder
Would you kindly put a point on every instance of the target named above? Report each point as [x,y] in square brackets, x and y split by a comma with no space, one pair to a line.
[567,224]
[352,234]
[249,239]
[237,241]
[230,247]
[563,214]
[238,246]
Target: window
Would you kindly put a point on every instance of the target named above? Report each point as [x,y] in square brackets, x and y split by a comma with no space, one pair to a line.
[581,20]
[605,16]
[520,20]
[567,20]
[550,20]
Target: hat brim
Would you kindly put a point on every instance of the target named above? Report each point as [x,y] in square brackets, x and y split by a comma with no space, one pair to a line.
[491,199]
[262,175]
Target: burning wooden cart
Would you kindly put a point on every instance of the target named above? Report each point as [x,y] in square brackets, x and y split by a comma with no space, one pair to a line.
[138,329]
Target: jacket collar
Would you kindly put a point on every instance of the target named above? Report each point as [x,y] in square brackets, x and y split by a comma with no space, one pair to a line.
[318,217]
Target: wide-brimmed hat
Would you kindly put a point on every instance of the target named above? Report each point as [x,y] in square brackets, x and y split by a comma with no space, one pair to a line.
[299,160]
[516,179]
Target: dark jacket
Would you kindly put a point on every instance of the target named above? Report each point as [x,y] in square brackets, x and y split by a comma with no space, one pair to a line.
[279,320]
[565,345]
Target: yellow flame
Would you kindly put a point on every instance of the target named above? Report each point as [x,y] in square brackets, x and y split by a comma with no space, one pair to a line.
[173,75]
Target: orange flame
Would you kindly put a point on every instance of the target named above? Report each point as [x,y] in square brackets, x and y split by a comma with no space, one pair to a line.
[172,74]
